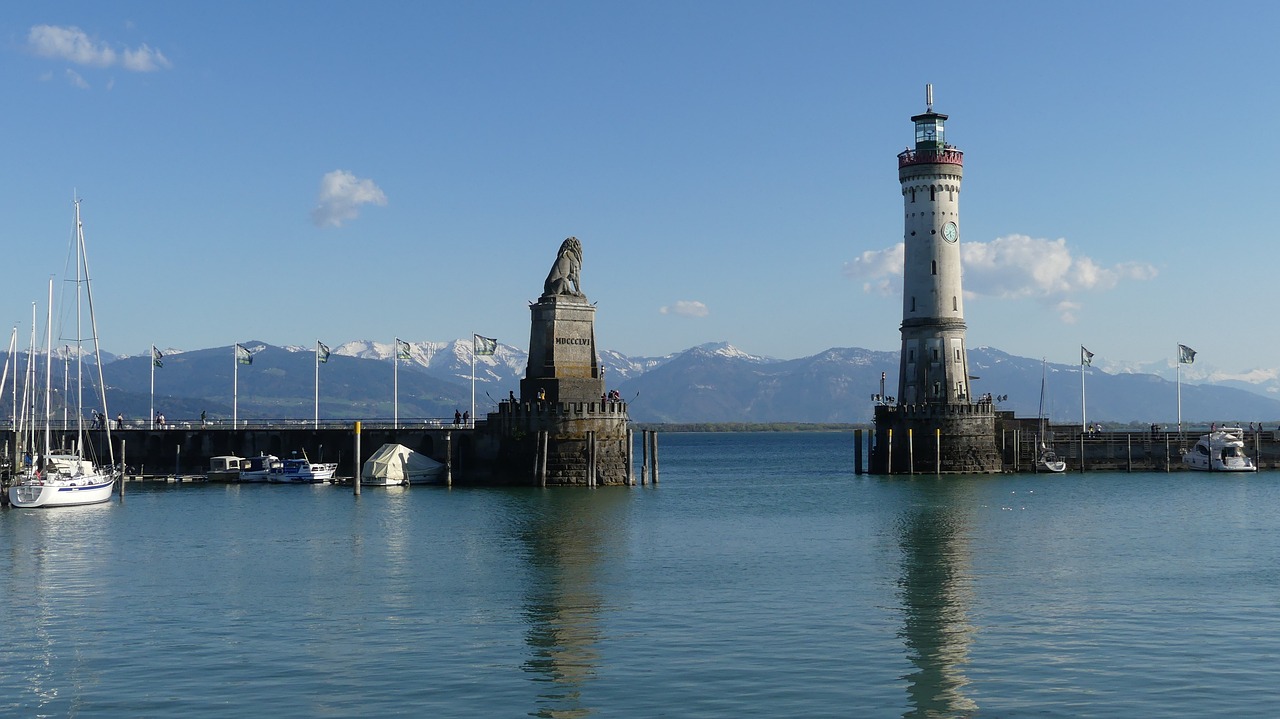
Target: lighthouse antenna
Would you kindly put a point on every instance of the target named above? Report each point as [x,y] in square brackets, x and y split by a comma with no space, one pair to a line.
[928,97]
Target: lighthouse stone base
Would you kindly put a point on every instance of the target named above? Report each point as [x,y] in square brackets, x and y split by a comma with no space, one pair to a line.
[929,438]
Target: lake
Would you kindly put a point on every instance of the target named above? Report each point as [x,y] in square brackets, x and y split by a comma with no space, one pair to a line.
[761,577]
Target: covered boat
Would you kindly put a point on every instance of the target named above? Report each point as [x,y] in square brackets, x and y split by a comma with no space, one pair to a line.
[225,468]
[396,464]
[1222,450]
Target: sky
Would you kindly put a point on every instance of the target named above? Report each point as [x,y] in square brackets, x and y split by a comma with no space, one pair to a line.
[293,172]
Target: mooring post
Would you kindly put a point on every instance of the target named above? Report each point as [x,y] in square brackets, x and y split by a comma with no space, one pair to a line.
[937,450]
[654,467]
[448,459]
[644,456]
[857,451]
[177,464]
[591,459]
[544,444]
[123,469]
[1082,451]
[355,479]
[1167,460]
[630,449]
[889,464]
[911,450]
[1129,436]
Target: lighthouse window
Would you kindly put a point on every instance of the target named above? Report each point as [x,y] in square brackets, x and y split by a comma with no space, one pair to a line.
[935,267]
[933,193]
[955,307]
[913,304]
[935,355]
[957,354]
[913,194]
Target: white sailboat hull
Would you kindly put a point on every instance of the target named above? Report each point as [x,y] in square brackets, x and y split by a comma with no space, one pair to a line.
[61,493]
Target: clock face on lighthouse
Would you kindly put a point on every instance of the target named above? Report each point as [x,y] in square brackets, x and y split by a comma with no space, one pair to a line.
[950,232]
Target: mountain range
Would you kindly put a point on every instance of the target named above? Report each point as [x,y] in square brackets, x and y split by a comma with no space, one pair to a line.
[713,382]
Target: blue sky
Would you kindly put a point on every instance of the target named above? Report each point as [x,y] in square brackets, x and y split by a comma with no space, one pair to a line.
[291,171]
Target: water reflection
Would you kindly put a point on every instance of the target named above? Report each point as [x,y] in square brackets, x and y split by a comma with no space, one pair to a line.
[569,536]
[47,581]
[937,592]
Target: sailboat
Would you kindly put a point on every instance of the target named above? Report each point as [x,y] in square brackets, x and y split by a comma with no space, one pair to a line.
[1046,459]
[65,477]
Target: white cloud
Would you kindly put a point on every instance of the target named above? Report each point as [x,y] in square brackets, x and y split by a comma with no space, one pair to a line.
[341,194]
[685,308]
[75,79]
[73,45]
[1012,267]
[880,270]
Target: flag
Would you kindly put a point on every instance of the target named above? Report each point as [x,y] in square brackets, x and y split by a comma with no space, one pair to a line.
[402,349]
[1086,357]
[157,357]
[322,351]
[1186,355]
[243,356]
[484,346]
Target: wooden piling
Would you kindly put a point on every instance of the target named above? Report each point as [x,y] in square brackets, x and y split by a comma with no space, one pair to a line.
[123,468]
[355,480]
[448,459]
[857,451]
[911,450]
[177,463]
[654,453]
[937,451]
[591,459]
[630,449]
[544,444]
[644,456]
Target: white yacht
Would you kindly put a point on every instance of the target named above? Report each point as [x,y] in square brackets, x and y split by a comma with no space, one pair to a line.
[1222,450]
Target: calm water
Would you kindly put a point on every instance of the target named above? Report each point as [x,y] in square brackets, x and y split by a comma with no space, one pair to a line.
[761,578]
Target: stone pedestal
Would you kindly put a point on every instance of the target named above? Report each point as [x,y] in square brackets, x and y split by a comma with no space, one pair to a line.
[562,353]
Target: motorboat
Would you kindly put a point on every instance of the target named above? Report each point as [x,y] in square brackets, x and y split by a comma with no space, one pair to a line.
[301,470]
[257,469]
[397,465]
[1221,450]
[225,468]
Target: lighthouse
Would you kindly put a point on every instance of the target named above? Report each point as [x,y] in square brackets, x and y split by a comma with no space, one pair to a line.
[935,423]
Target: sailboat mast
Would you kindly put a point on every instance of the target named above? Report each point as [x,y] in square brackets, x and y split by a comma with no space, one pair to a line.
[93,326]
[79,335]
[48,370]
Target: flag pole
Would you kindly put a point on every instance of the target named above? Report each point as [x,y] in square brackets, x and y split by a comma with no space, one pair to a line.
[151,410]
[235,386]
[1084,421]
[317,415]
[473,379]
[395,384]
[1178,361]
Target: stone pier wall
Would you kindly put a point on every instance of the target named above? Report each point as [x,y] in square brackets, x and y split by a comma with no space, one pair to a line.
[512,437]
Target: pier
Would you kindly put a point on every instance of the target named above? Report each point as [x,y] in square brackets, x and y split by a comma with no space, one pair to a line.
[1018,441]
[185,448]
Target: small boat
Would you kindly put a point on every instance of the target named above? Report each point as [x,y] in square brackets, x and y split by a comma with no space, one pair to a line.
[301,470]
[225,468]
[397,465]
[1046,459]
[257,469]
[1222,450]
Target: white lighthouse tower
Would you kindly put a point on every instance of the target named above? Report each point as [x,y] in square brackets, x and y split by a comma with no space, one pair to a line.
[935,424]
[934,368]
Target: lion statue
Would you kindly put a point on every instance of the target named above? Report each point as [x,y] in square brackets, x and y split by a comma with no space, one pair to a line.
[563,278]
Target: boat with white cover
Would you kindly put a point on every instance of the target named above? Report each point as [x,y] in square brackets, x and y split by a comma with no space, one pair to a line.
[1222,450]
